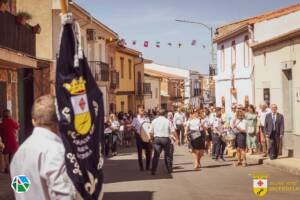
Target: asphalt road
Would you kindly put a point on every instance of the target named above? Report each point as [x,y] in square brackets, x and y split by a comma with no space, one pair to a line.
[215,181]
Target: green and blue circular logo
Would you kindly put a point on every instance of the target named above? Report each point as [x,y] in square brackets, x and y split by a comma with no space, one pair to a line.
[20,184]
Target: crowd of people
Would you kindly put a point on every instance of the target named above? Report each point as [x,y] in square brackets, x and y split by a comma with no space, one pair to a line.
[204,131]
[209,130]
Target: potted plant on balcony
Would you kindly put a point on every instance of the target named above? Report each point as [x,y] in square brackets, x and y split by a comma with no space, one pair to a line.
[36,29]
[23,17]
[3,5]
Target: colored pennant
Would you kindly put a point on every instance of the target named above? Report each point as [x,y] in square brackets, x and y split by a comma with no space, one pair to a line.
[157,44]
[146,44]
[170,44]
[134,42]
[194,42]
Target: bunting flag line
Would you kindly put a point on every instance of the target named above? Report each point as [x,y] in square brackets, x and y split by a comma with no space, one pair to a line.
[80,113]
[146,44]
[157,44]
[194,42]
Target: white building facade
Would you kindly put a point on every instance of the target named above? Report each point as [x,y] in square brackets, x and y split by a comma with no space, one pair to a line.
[152,97]
[234,80]
[277,72]
[191,82]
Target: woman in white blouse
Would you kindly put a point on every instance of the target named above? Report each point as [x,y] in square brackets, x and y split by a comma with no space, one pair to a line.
[195,132]
[239,126]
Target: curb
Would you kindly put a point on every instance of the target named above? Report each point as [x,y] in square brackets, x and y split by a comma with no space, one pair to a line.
[285,166]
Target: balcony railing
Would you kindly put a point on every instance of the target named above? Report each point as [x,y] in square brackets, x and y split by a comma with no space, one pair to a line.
[15,36]
[147,89]
[100,70]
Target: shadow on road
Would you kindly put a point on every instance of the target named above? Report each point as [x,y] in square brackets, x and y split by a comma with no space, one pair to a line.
[215,166]
[127,170]
[140,195]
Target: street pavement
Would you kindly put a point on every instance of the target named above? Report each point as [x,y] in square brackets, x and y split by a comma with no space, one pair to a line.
[215,181]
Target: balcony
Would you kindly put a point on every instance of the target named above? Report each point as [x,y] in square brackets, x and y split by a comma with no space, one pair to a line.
[114,79]
[147,89]
[100,70]
[16,37]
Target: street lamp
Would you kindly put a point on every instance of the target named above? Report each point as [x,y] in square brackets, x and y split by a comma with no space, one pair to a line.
[211,30]
[212,66]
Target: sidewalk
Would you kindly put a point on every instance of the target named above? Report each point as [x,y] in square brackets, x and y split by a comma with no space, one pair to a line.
[291,165]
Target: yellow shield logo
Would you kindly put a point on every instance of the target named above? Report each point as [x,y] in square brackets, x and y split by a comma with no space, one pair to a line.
[82,118]
[260,185]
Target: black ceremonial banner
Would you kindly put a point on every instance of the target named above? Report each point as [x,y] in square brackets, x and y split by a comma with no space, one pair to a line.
[81,118]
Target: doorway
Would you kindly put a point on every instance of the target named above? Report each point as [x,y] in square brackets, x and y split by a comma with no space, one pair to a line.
[26,98]
[287,89]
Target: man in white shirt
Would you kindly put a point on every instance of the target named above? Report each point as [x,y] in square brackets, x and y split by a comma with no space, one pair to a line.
[42,157]
[161,130]
[136,124]
[179,121]
[218,126]
[262,113]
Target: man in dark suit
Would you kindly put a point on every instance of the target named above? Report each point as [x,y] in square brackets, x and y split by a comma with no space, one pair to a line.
[274,127]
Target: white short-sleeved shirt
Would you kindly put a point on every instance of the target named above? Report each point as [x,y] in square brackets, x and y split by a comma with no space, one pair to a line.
[137,123]
[262,116]
[115,125]
[194,124]
[218,125]
[42,159]
[241,124]
[161,127]
[179,118]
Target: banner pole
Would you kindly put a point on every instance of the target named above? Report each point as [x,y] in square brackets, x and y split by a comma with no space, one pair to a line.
[64,6]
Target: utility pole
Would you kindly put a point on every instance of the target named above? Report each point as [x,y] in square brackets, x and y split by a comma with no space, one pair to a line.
[212,65]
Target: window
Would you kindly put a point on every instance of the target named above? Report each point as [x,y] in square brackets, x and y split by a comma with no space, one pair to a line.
[222,58]
[265,58]
[267,97]
[156,93]
[122,67]
[223,101]
[111,62]
[122,106]
[100,52]
[246,101]
[129,68]
[147,88]
[233,53]
[104,71]
[246,51]
[118,79]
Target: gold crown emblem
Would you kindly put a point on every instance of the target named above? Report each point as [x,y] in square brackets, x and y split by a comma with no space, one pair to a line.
[77,86]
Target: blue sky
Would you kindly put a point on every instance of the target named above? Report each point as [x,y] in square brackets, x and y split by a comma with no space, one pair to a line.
[154,21]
